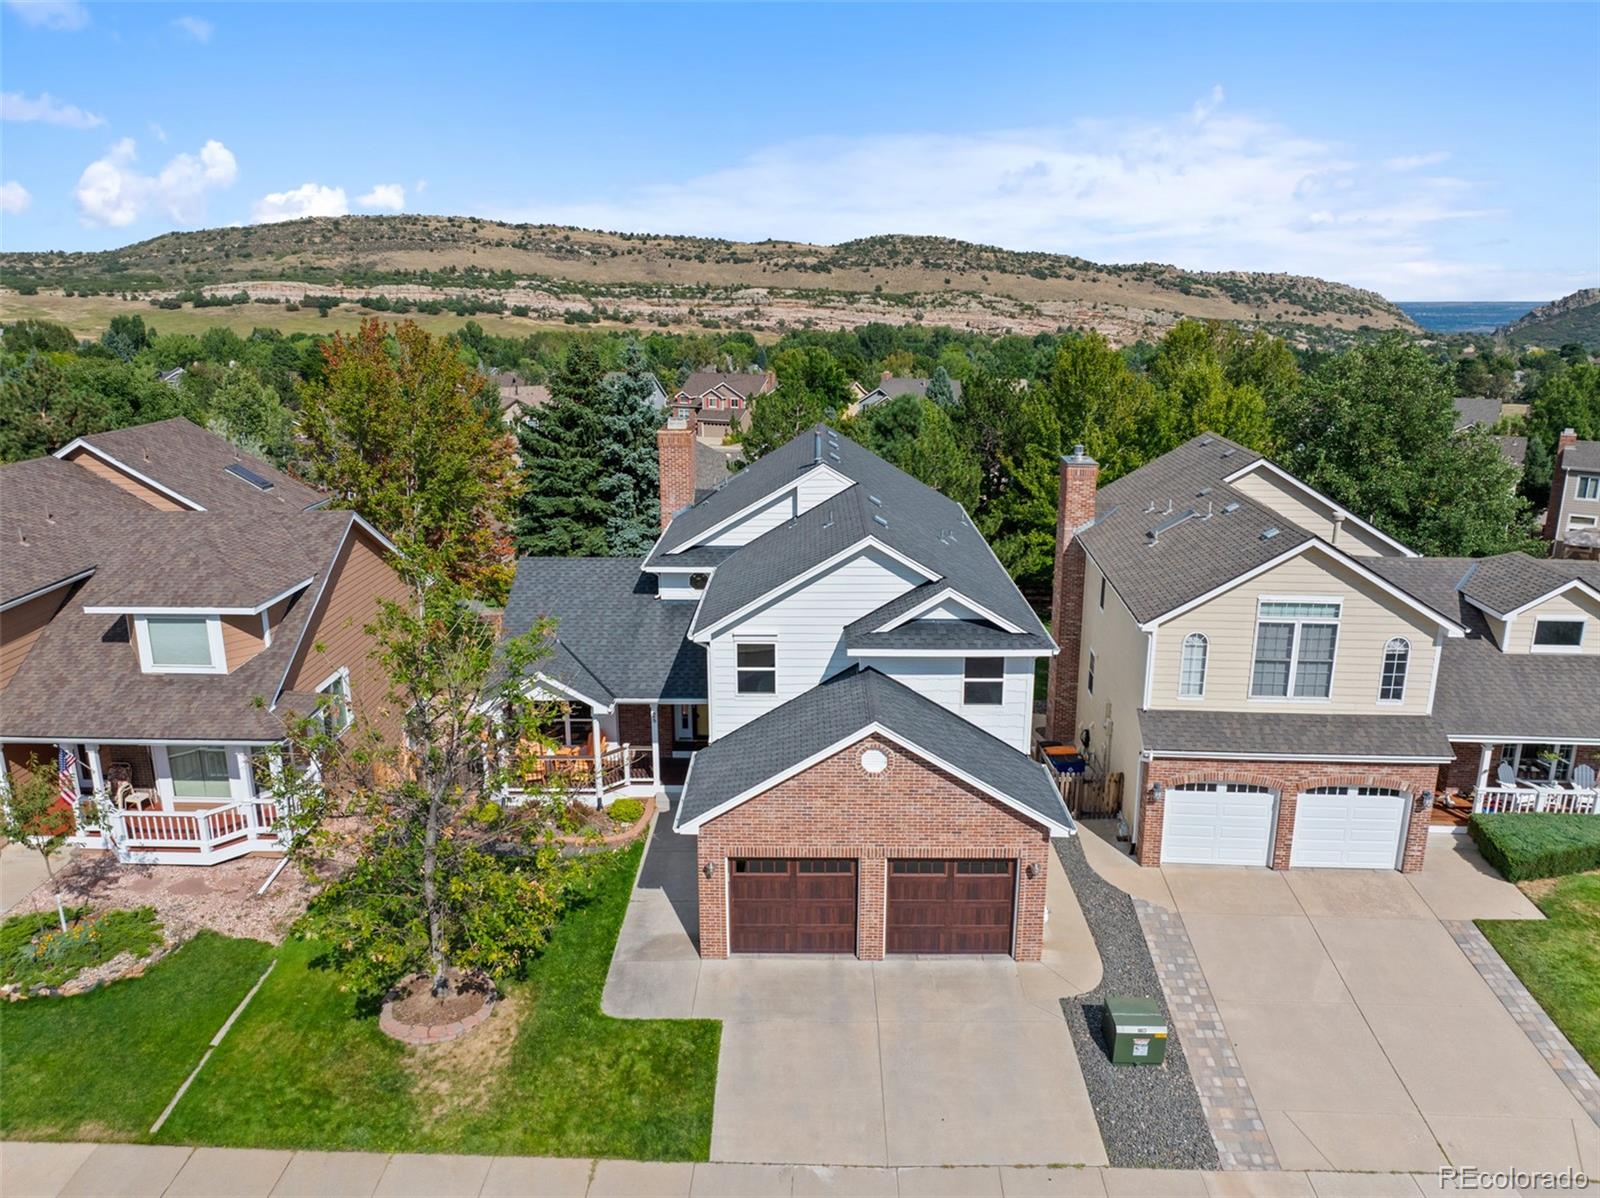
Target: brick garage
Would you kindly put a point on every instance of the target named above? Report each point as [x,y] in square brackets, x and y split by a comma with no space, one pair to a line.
[1286,779]
[836,809]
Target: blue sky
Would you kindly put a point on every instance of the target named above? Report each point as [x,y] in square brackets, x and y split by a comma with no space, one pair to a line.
[1430,152]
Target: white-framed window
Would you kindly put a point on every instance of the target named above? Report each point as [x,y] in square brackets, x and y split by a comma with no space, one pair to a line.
[199,772]
[334,696]
[1588,486]
[180,644]
[1092,663]
[757,668]
[983,681]
[1396,661]
[1558,634]
[1575,522]
[1192,667]
[1540,763]
[1295,644]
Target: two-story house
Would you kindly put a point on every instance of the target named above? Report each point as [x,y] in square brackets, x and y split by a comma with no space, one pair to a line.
[164,600]
[1572,522]
[846,671]
[1280,684]
[720,400]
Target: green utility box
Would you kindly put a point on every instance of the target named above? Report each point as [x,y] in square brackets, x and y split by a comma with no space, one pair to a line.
[1136,1030]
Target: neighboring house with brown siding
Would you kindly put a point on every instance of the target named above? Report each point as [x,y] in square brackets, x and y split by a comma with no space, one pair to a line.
[1278,683]
[165,602]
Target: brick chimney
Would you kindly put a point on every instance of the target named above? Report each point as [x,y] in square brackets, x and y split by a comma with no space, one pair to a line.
[1558,485]
[1080,475]
[675,455]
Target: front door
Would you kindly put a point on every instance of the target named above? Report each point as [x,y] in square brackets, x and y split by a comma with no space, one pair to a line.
[693,723]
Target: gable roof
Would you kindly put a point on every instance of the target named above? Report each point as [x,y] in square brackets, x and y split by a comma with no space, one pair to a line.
[1509,582]
[1581,455]
[45,507]
[868,635]
[893,388]
[184,458]
[757,755]
[1472,409]
[742,383]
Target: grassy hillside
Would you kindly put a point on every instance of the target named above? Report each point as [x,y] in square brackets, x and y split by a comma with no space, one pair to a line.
[555,273]
[1574,318]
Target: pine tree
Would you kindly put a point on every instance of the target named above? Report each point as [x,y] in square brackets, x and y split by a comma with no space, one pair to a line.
[563,511]
[628,454]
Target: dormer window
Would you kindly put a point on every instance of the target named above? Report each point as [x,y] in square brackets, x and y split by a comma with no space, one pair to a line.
[180,645]
[1558,634]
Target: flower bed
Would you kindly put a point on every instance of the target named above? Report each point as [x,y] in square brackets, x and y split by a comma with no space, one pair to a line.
[37,957]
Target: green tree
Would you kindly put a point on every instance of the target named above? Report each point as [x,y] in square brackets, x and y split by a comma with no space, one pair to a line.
[918,436]
[631,483]
[563,510]
[34,814]
[249,413]
[23,335]
[1197,394]
[1373,429]
[812,387]
[940,390]
[40,411]
[126,336]
[396,431]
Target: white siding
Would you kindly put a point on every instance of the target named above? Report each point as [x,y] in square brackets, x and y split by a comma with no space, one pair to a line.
[1369,618]
[807,626]
[1311,514]
[951,609]
[676,586]
[940,679]
[764,519]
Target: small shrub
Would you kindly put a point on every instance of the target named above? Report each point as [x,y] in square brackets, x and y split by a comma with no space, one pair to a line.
[627,811]
[34,954]
[1535,845]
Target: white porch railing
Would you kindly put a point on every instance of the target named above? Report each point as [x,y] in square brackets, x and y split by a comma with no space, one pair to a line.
[202,837]
[1561,800]
[622,767]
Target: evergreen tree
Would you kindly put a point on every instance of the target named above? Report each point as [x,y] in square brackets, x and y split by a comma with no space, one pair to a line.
[939,389]
[628,453]
[563,510]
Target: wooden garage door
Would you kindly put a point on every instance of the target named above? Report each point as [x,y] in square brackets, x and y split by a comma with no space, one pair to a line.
[789,905]
[950,906]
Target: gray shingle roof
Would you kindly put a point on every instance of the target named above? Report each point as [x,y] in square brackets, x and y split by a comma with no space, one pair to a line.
[611,631]
[745,383]
[1515,448]
[1504,583]
[193,462]
[1582,455]
[936,634]
[1471,410]
[841,706]
[1292,734]
[893,388]
[712,468]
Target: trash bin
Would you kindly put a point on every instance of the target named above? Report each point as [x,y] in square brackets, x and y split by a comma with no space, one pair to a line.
[1136,1030]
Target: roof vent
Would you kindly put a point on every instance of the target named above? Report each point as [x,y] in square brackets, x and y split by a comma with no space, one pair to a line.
[874,501]
[1202,492]
[828,523]
[1229,508]
[1168,524]
[816,446]
[1229,452]
[1268,533]
[259,481]
[880,520]
[834,456]
[1207,440]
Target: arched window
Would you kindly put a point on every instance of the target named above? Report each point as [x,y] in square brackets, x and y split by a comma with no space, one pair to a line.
[1192,672]
[1396,657]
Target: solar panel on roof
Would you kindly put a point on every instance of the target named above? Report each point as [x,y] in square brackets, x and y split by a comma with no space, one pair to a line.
[259,481]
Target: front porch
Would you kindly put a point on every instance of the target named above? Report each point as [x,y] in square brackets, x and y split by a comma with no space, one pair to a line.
[1516,776]
[601,754]
[160,803]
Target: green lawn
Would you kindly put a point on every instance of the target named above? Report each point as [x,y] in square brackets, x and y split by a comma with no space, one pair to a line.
[302,1068]
[103,1065]
[1558,959]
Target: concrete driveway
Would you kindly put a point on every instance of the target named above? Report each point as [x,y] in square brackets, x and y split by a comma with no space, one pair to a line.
[831,1060]
[1368,1039]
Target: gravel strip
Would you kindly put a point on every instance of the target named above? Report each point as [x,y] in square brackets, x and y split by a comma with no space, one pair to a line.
[1149,1117]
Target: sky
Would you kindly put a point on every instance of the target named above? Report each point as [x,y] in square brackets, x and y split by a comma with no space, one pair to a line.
[1430,152]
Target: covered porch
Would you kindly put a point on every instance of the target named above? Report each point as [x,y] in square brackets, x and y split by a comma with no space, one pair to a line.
[1517,776]
[159,803]
[601,754]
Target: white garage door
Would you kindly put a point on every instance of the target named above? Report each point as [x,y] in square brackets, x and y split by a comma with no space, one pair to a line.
[1348,827]
[1217,824]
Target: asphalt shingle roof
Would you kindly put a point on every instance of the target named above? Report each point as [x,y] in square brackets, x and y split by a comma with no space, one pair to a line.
[841,706]
[1582,455]
[935,634]
[611,629]
[46,506]
[1351,737]
[1504,583]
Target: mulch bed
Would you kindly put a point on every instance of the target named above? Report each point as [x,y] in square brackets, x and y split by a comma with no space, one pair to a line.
[413,1014]
[1149,1116]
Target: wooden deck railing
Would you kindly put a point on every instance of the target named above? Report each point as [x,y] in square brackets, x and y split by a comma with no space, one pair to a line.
[620,766]
[203,837]
[1568,800]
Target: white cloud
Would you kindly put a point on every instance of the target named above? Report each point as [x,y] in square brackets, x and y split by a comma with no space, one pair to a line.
[385,197]
[111,190]
[309,199]
[198,29]
[1209,188]
[14,197]
[61,15]
[46,109]
[1411,162]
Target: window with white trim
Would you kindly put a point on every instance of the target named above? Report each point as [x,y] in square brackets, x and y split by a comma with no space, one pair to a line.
[1192,668]
[180,644]
[1558,634]
[199,772]
[1090,679]
[1396,661]
[983,681]
[1588,486]
[1295,644]
[334,700]
[757,668]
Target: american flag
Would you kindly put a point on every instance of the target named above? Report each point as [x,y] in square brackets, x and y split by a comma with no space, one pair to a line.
[68,774]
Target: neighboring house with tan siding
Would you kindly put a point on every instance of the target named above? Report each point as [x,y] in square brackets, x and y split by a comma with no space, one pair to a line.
[1572,523]
[1281,684]
[165,602]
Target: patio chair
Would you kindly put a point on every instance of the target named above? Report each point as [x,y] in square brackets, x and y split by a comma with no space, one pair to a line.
[1583,777]
[1507,776]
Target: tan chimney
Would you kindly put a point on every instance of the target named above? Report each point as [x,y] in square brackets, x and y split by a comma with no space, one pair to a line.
[1080,475]
[675,455]
[1558,486]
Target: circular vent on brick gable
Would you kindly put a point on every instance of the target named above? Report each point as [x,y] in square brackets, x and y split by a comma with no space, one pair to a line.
[874,761]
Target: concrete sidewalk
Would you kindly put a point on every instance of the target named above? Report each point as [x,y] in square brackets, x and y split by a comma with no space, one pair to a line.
[153,1171]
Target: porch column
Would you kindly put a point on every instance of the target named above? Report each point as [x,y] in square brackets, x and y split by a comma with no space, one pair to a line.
[599,786]
[655,743]
[1485,752]
[243,786]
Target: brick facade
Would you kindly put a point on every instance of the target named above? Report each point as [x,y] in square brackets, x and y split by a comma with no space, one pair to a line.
[1079,478]
[1558,485]
[1462,773]
[838,809]
[675,452]
[1287,780]
[633,724]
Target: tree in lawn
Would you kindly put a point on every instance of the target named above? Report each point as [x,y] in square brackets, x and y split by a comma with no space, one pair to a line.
[446,876]
[628,453]
[1373,428]
[563,510]
[812,387]
[398,430]
[34,814]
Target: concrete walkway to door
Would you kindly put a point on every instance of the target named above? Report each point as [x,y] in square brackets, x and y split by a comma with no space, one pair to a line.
[904,1062]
